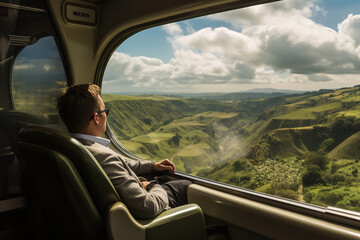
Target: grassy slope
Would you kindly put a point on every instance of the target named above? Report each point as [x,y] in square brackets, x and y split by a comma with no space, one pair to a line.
[309,113]
[296,141]
[133,116]
[302,114]
[149,123]
[286,132]
[348,149]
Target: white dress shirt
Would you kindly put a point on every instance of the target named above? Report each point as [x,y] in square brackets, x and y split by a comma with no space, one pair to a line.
[103,141]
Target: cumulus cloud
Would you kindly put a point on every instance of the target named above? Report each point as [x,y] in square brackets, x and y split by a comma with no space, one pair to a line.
[229,44]
[350,27]
[270,44]
[319,78]
[172,29]
[245,71]
[37,67]
[269,13]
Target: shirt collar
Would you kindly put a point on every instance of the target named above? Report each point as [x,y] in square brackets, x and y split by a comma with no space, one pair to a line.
[103,141]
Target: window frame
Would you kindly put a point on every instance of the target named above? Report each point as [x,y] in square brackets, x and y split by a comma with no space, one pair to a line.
[17,202]
[340,216]
[116,142]
[52,33]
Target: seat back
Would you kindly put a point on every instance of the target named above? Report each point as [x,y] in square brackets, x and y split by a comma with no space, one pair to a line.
[65,184]
[11,122]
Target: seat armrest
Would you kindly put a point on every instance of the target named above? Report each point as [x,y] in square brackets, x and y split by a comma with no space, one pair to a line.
[185,222]
[122,225]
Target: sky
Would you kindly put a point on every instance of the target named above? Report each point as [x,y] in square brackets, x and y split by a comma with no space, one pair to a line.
[292,44]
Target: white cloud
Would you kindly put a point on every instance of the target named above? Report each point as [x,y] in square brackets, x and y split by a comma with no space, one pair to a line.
[172,29]
[23,66]
[350,27]
[38,67]
[268,13]
[319,78]
[271,44]
[221,41]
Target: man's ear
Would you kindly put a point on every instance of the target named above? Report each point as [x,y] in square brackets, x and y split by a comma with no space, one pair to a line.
[96,118]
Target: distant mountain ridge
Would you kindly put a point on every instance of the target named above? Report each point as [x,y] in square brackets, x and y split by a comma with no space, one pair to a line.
[248,94]
[273,90]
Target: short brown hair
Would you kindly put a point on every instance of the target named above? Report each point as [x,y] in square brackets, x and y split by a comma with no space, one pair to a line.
[76,104]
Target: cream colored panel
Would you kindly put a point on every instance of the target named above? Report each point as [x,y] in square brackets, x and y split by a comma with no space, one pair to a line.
[265,220]
[79,36]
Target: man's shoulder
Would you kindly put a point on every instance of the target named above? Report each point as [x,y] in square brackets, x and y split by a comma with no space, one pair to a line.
[96,148]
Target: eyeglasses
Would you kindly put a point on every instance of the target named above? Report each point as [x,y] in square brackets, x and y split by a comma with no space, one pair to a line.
[106,110]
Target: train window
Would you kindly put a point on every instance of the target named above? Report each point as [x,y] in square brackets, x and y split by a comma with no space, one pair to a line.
[265,98]
[32,74]
[37,77]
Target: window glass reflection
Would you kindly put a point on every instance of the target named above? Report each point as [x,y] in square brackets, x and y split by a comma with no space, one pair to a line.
[37,77]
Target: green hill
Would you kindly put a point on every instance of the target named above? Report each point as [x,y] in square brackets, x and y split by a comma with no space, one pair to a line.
[297,134]
[348,149]
[133,116]
[279,126]
[303,146]
[158,127]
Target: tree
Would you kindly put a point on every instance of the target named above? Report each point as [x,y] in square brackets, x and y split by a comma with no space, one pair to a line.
[316,159]
[330,198]
[240,164]
[147,121]
[355,172]
[175,139]
[327,145]
[334,168]
[312,176]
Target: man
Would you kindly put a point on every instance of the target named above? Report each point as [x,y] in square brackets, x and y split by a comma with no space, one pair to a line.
[83,111]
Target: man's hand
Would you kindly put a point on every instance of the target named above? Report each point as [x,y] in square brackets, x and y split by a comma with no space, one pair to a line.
[164,165]
[144,184]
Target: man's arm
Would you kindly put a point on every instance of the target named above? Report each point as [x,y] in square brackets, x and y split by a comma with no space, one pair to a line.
[141,203]
[141,167]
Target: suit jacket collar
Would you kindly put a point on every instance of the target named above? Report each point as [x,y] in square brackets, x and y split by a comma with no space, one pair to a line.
[103,141]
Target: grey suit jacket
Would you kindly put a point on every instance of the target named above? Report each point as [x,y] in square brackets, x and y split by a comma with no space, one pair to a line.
[123,172]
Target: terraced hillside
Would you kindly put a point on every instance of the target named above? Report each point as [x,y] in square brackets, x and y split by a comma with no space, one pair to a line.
[306,149]
[302,147]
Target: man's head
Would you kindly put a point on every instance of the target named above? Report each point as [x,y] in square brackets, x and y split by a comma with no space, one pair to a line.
[78,106]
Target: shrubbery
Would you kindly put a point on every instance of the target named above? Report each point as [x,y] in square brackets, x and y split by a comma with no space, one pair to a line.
[327,145]
[316,159]
[312,176]
[330,198]
[175,139]
[147,121]
[240,164]
[343,127]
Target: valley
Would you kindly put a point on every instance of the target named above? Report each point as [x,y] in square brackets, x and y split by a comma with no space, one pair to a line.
[303,146]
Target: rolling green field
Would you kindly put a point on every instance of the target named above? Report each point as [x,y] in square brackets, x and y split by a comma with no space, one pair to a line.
[309,113]
[153,137]
[350,113]
[303,147]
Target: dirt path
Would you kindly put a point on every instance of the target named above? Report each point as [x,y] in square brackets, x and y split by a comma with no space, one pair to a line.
[173,156]
[300,193]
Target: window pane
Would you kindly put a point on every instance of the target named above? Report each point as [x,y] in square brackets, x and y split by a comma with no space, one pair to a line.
[37,77]
[264,98]
[31,77]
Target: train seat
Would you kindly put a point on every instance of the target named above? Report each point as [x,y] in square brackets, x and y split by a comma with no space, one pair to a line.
[11,122]
[69,196]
